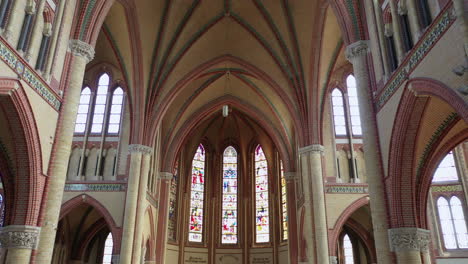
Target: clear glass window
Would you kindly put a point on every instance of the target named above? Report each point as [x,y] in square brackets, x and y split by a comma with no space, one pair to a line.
[339,119]
[348,250]
[452,223]
[83,109]
[353,106]
[108,247]
[100,104]
[115,111]
[446,171]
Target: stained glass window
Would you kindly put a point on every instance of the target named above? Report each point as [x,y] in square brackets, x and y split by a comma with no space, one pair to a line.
[83,110]
[197,196]
[115,111]
[108,246]
[262,219]
[353,106]
[173,206]
[453,223]
[446,170]
[100,104]
[348,250]
[338,113]
[2,210]
[284,205]
[229,212]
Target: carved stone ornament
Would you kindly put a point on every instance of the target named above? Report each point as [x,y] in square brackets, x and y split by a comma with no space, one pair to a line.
[136,148]
[290,176]
[357,49]
[81,48]
[333,260]
[402,9]
[316,148]
[19,236]
[388,30]
[163,175]
[409,239]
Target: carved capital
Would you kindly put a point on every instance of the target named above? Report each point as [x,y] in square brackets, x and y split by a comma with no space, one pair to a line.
[290,176]
[137,148]
[357,49]
[388,30]
[315,148]
[409,239]
[402,8]
[164,175]
[19,236]
[81,48]
[333,260]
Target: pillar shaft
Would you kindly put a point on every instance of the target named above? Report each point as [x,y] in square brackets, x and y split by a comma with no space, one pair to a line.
[315,226]
[397,31]
[357,55]
[35,33]
[462,14]
[161,232]
[13,24]
[53,42]
[140,213]
[82,54]
[293,223]
[381,33]
[413,17]
[128,232]
[19,241]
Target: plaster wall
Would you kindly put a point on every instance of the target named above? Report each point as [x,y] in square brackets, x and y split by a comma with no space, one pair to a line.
[336,204]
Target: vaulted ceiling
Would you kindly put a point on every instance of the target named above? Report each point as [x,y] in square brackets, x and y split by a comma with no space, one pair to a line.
[183,58]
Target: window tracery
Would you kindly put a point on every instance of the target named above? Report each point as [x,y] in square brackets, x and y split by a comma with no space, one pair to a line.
[262,218]
[172,224]
[197,196]
[229,203]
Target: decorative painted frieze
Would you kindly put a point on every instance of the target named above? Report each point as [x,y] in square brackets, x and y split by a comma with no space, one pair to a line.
[409,239]
[26,73]
[137,148]
[19,236]
[437,30]
[95,187]
[346,189]
[446,188]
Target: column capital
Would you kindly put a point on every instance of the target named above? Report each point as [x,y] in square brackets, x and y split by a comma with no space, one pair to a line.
[315,148]
[19,236]
[137,148]
[357,49]
[164,175]
[333,260]
[81,48]
[409,239]
[290,175]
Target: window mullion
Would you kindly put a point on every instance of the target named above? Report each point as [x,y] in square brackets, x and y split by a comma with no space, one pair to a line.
[89,121]
[453,223]
[349,129]
[103,132]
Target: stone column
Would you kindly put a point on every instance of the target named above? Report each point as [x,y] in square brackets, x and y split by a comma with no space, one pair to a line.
[315,224]
[333,260]
[82,53]
[19,241]
[413,17]
[35,33]
[13,24]
[410,244]
[131,202]
[161,231]
[356,53]
[141,199]
[381,34]
[397,32]
[462,17]
[293,223]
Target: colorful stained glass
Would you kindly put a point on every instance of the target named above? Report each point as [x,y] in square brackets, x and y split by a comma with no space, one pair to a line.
[262,216]
[284,205]
[229,211]
[173,206]
[197,196]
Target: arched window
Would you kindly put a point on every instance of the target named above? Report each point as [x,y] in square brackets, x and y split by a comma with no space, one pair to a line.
[100,104]
[173,207]
[83,109]
[284,205]
[262,216]
[339,119]
[446,171]
[229,211]
[348,250]
[108,247]
[453,223]
[353,106]
[197,196]
[2,210]
[116,111]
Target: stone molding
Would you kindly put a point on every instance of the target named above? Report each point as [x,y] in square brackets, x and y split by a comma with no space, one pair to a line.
[357,49]
[164,175]
[19,236]
[137,148]
[409,239]
[316,148]
[290,176]
[81,48]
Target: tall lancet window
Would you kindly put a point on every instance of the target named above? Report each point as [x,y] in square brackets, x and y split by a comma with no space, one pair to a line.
[452,223]
[172,224]
[108,247]
[229,212]
[100,105]
[262,216]
[339,119]
[284,205]
[83,109]
[348,250]
[446,171]
[353,106]
[116,111]
[197,196]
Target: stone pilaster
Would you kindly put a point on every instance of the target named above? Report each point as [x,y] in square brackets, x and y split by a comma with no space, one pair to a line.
[141,200]
[410,244]
[462,17]
[315,226]
[397,37]
[161,236]
[291,178]
[356,53]
[82,53]
[136,153]
[19,241]
[35,33]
